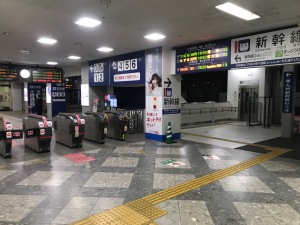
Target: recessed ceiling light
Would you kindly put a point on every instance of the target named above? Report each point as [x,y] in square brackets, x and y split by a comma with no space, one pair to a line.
[7,33]
[48,41]
[74,57]
[24,51]
[52,63]
[88,22]
[237,11]
[105,49]
[154,36]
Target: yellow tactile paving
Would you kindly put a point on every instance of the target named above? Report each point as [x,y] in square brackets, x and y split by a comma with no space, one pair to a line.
[143,211]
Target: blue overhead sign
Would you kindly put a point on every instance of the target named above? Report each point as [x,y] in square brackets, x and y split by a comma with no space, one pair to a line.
[99,72]
[212,56]
[287,102]
[128,69]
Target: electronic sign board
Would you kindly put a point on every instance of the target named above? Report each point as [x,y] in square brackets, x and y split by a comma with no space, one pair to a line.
[8,72]
[46,75]
[212,56]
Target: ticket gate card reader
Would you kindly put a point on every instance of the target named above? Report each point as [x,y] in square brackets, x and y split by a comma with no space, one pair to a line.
[69,129]
[38,133]
[117,125]
[6,135]
[95,126]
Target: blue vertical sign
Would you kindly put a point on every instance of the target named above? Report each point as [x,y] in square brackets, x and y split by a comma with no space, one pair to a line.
[287,102]
[58,98]
[99,72]
[35,93]
[128,69]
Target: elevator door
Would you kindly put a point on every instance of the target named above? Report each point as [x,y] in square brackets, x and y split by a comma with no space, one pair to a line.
[249,104]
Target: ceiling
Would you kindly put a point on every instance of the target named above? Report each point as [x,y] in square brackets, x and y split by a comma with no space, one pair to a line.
[124,23]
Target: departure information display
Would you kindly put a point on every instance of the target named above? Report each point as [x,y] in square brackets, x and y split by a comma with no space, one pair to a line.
[46,75]
[205,57]
[8,72]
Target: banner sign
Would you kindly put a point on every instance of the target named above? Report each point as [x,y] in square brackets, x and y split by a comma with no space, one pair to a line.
[287,91]
[99,72]
[205,57]
[277,47]
[127,69]
[35,93]
[153,85]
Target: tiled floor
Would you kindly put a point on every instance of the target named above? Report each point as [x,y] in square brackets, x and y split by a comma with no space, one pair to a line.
[49,189]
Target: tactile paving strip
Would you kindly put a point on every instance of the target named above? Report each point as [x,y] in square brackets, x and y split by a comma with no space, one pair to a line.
[153,212]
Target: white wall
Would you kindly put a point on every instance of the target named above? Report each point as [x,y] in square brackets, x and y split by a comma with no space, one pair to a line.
[16,96]
[234,78]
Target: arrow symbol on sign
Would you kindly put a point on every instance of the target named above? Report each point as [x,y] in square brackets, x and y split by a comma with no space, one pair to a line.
[168,82]
[237,58]
[288,74]
[91,68]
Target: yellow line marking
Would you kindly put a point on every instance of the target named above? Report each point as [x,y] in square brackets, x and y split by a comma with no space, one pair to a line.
[144,153]
[39,161]
[143,211]
[120,155]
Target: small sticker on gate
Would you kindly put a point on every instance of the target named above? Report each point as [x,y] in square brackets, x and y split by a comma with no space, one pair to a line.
[8,134]
[42,131]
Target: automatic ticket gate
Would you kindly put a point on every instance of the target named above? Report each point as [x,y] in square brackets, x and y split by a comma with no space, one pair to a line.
[38,133]
[95,126]
[6,135]
[117,125]
[69,129]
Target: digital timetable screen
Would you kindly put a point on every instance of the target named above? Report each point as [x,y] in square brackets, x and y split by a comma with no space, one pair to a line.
[212,56]
[8,72]
[47,75]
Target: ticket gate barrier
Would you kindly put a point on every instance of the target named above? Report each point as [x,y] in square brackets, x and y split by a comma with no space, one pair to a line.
[95,126]
[117,125]
[38,133]
[69,129]
[6,135]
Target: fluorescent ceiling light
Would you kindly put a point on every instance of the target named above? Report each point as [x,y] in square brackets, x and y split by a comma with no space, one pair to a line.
[154,36]
[88,22]
[74,57]
[237,11]
[52,63]
[48,41]
[105,49]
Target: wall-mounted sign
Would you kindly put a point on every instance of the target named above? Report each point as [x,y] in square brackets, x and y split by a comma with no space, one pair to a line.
[128,69]
[58,98]
[8,72]
[46,75]
[210,56]
[85,97]
[99,72]
[287,102]
[277,47]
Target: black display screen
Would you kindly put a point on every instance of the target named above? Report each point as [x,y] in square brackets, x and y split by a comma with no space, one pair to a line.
[8,72]
[212,56]
[47,75]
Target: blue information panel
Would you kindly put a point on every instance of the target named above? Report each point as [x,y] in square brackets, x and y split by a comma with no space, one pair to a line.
[287,92]
[212,56]
[35,93]
[58,98]
[99,72]
[128,69]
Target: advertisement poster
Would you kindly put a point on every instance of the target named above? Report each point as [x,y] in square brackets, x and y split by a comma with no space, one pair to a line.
[154,91]
[95,104]
[276,47]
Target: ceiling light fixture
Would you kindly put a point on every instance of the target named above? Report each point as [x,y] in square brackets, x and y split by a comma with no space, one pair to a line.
[25,73]
[154,36]
[88,22]
[237,11]
[7,33]
[24,51]
[48,41]
[52,63]
[105,49]
[74,57]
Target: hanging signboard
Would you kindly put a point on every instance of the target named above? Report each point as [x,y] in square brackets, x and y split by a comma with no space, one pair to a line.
[212,56]
[8,72]
[99,72]
[277,47]
[127,69]
[287,91]
[46,75]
